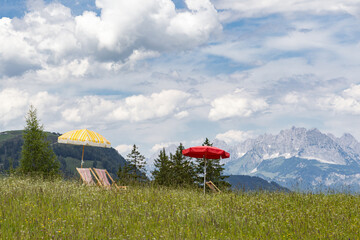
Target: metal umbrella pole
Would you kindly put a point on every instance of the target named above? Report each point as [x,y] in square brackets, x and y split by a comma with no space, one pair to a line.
[82,156]
[204,173]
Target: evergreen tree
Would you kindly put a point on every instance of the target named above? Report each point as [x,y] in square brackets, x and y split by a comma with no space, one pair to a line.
[214,170]
[125,174]
[134,170]
[183,169]
[37,158]
[163,169]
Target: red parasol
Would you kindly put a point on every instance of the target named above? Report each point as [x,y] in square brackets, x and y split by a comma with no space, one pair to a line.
[205,152]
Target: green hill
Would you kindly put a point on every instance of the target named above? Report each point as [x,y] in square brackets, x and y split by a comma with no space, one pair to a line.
[69,156]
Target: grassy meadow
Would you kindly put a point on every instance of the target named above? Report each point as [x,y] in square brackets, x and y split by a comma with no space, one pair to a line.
[36,209]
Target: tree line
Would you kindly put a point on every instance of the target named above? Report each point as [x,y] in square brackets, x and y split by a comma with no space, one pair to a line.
[173,169]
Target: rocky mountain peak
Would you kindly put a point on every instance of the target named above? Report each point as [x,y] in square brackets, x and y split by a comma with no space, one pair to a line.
[296,153]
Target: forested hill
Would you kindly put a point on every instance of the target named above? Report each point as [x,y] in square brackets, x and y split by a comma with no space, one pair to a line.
[250,183]
[68,155]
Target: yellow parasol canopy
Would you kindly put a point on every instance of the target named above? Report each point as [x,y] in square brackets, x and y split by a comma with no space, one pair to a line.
[84,137]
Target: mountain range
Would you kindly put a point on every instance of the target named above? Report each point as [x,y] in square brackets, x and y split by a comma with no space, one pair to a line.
[299,159]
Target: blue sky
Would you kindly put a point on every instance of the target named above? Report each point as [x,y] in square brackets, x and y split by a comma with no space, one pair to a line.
[157,72]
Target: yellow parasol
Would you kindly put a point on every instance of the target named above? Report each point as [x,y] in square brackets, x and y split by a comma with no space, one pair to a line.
[84,137]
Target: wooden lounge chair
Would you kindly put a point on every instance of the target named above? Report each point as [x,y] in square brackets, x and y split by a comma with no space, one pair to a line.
[86,176]
[212,186]
[104,177]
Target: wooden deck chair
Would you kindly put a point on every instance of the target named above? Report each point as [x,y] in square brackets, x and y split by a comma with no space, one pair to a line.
[212,186]
[104,177]
[86,176]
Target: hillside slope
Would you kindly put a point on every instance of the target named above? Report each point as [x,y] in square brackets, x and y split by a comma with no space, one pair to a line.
[69,156]
[252,183]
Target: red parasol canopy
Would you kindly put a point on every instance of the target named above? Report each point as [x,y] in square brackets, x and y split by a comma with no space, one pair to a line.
[207,152]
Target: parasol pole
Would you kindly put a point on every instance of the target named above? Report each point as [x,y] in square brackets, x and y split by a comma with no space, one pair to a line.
[82,157]
[204,173]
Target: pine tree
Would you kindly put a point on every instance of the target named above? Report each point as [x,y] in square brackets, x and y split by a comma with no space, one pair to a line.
[214,170]
[134,170]
[37,158]
[183,169]
[125,174]
[163,173]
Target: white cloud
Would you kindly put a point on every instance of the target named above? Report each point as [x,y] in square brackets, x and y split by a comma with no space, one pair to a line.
[50,30]
[56,44]
[45,103]
[233,9]
[291,98]
[301,40]
[238,104]
[137,108]
[71,115]
[182,114]
[159,146]
[153,25]
[353,92]
[123,148]
[89,109]
[13,104]
[346,102]
[340,104]
[234,136]
[239,51]
[17,56]
[157,105]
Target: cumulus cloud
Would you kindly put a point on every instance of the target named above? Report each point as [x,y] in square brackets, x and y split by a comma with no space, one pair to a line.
[157,105]
[123,148]
[13,103]
[238,104]
[353,92]
[233,136]
[159,146]
[92,109]
[45,103]
[17,56]
[340,104]
[51,40]
[347,101]
[134,108]
[153,25]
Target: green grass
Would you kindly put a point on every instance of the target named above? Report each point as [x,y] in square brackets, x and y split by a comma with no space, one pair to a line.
[35,209]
